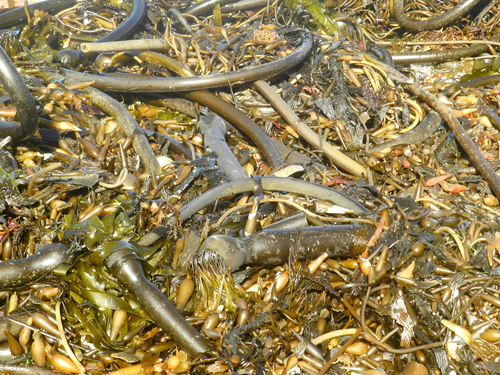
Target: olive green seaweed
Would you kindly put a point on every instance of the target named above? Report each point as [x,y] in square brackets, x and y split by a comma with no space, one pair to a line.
[319,11]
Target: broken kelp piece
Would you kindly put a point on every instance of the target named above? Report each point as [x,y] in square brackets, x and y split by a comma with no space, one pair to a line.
[126,266]
[18,272]
[213,129]
[438,56]
[425,129]
[89,179]
[272,247]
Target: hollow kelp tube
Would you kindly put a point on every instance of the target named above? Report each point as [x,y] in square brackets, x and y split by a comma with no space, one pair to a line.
[205,6]
[18,15]
[175,84]
[22,100]
[482,81]
[297,220]
[126,45]
[129,25]
[438,56]
[434,23]
[290,185]
[213,129]
[272,247]
[126,266]
[19,272]
[425,129]
[282,184]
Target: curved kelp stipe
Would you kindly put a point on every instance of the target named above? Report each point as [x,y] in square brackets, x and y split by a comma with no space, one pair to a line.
[130,25]
[175,84]
[16,273]
[222,108]
[424,130]
[434,23]
[22,99]
[126,266]
[18,15]
[290,185]
[240,121]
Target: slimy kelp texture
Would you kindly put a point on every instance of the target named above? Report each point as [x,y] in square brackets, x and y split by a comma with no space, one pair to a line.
[19,272]
[272,247]
[126,266]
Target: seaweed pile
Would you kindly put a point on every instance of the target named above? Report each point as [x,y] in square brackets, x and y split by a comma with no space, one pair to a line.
[251,187]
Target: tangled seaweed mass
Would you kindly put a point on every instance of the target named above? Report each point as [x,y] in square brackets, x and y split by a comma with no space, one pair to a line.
[250,187]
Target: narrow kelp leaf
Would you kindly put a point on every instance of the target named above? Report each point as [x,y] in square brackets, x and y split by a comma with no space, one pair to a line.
[96,333]
[106,249]
[88,280]
[91,231]
[214,280]
[62,269]
[96,286]
[108,301]
[96,230]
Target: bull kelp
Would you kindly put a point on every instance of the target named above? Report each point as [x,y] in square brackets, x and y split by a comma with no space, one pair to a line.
[278,187]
